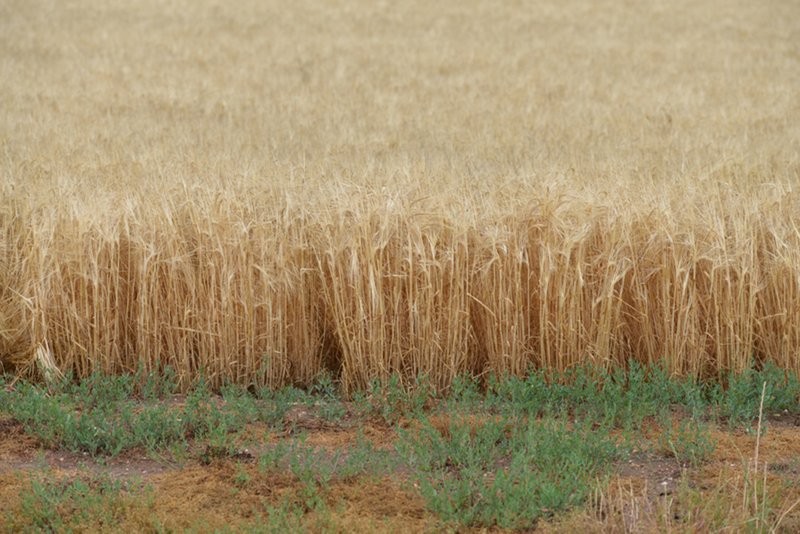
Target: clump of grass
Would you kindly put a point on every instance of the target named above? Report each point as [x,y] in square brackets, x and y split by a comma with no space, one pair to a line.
[505,472]
[107,414]
[104,415]
[689,442]
[741,398]
[627,396]
[52,504]
[392,402]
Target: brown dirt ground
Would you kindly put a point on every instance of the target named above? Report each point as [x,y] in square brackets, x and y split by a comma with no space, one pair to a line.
[213,489]
[639,490]
[21,452]
[15,444]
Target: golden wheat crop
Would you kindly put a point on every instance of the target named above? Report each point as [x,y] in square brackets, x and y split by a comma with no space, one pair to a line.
[261,190]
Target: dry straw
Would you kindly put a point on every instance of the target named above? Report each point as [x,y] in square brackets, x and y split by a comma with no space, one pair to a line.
[269,296]
[263,192]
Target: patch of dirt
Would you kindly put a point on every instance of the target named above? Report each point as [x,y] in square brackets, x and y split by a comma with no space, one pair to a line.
[226,494]
[11,484]
[387,500]
[783,419]
[787,468]
[304,417]
[231,492]
[22,452]
[443,422]
[180,496]
[379,436]
[301,417]
[129,464]
[257,435]
[650,474]
[779,443]
[15,445]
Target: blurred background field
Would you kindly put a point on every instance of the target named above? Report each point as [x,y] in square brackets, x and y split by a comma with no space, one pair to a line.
[264,190]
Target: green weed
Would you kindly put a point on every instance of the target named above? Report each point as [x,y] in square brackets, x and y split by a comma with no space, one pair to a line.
[86,504]
[505,472]
[689,442]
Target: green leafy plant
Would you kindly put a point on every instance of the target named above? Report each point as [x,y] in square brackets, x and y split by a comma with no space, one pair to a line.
[688,442]
[50,504]
[504,472]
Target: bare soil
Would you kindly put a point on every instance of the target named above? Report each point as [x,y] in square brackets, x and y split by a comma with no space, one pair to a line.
[181,494]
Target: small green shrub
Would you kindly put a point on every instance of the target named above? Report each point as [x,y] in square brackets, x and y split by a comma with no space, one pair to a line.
[689,442]
[83,504]
[505,472]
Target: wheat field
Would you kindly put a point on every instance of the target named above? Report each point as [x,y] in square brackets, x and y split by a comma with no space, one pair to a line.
[264,190]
